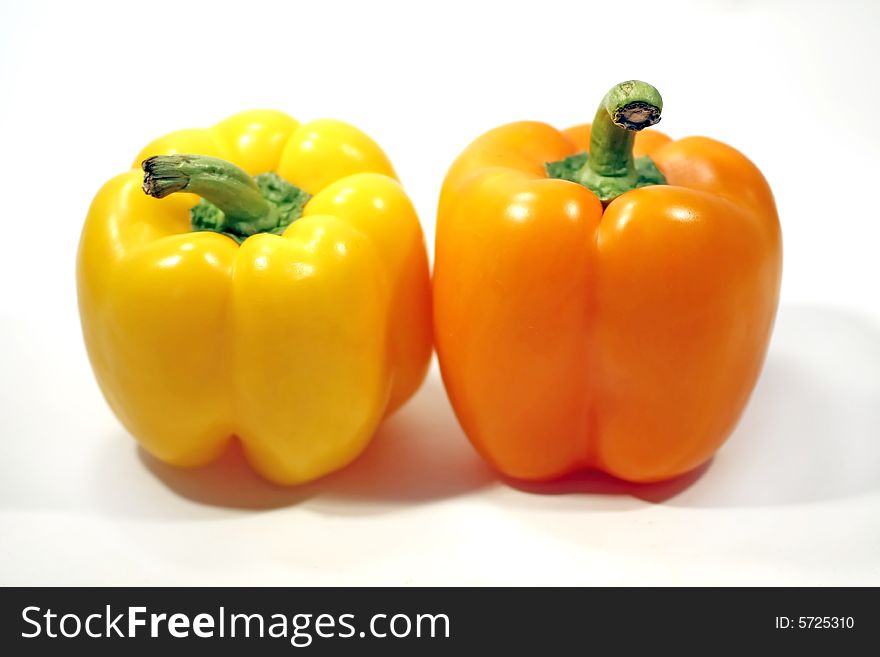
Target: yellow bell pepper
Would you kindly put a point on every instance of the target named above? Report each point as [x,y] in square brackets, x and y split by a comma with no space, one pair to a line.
[294,313]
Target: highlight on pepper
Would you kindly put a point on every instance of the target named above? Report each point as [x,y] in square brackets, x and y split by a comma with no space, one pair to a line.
[621,292]
[261,280]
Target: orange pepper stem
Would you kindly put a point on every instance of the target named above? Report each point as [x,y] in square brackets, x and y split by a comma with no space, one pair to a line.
[610,169]
[233,203]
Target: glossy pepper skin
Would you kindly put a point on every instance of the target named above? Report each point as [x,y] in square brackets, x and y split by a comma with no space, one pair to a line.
[298,344]
[625,339]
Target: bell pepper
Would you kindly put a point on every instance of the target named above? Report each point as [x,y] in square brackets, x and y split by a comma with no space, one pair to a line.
[290,310]
[603,299]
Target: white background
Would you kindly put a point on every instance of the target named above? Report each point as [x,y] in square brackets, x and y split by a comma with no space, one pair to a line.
[794,496]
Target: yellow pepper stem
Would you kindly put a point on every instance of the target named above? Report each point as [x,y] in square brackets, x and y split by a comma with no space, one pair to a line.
[232,203]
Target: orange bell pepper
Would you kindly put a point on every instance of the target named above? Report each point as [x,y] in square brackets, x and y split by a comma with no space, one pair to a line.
[607,311]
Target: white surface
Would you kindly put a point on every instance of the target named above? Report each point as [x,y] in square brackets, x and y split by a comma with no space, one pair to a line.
[794,496]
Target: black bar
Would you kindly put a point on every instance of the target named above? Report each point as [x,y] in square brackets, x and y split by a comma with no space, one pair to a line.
[514,621]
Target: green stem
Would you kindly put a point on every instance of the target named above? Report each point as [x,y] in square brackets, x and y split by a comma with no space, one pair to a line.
[217,181]
[626,109]
[610,168]
[232,203]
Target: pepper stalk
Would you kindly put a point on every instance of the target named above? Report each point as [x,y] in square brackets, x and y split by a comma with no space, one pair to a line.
[610,169]
[233,203]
